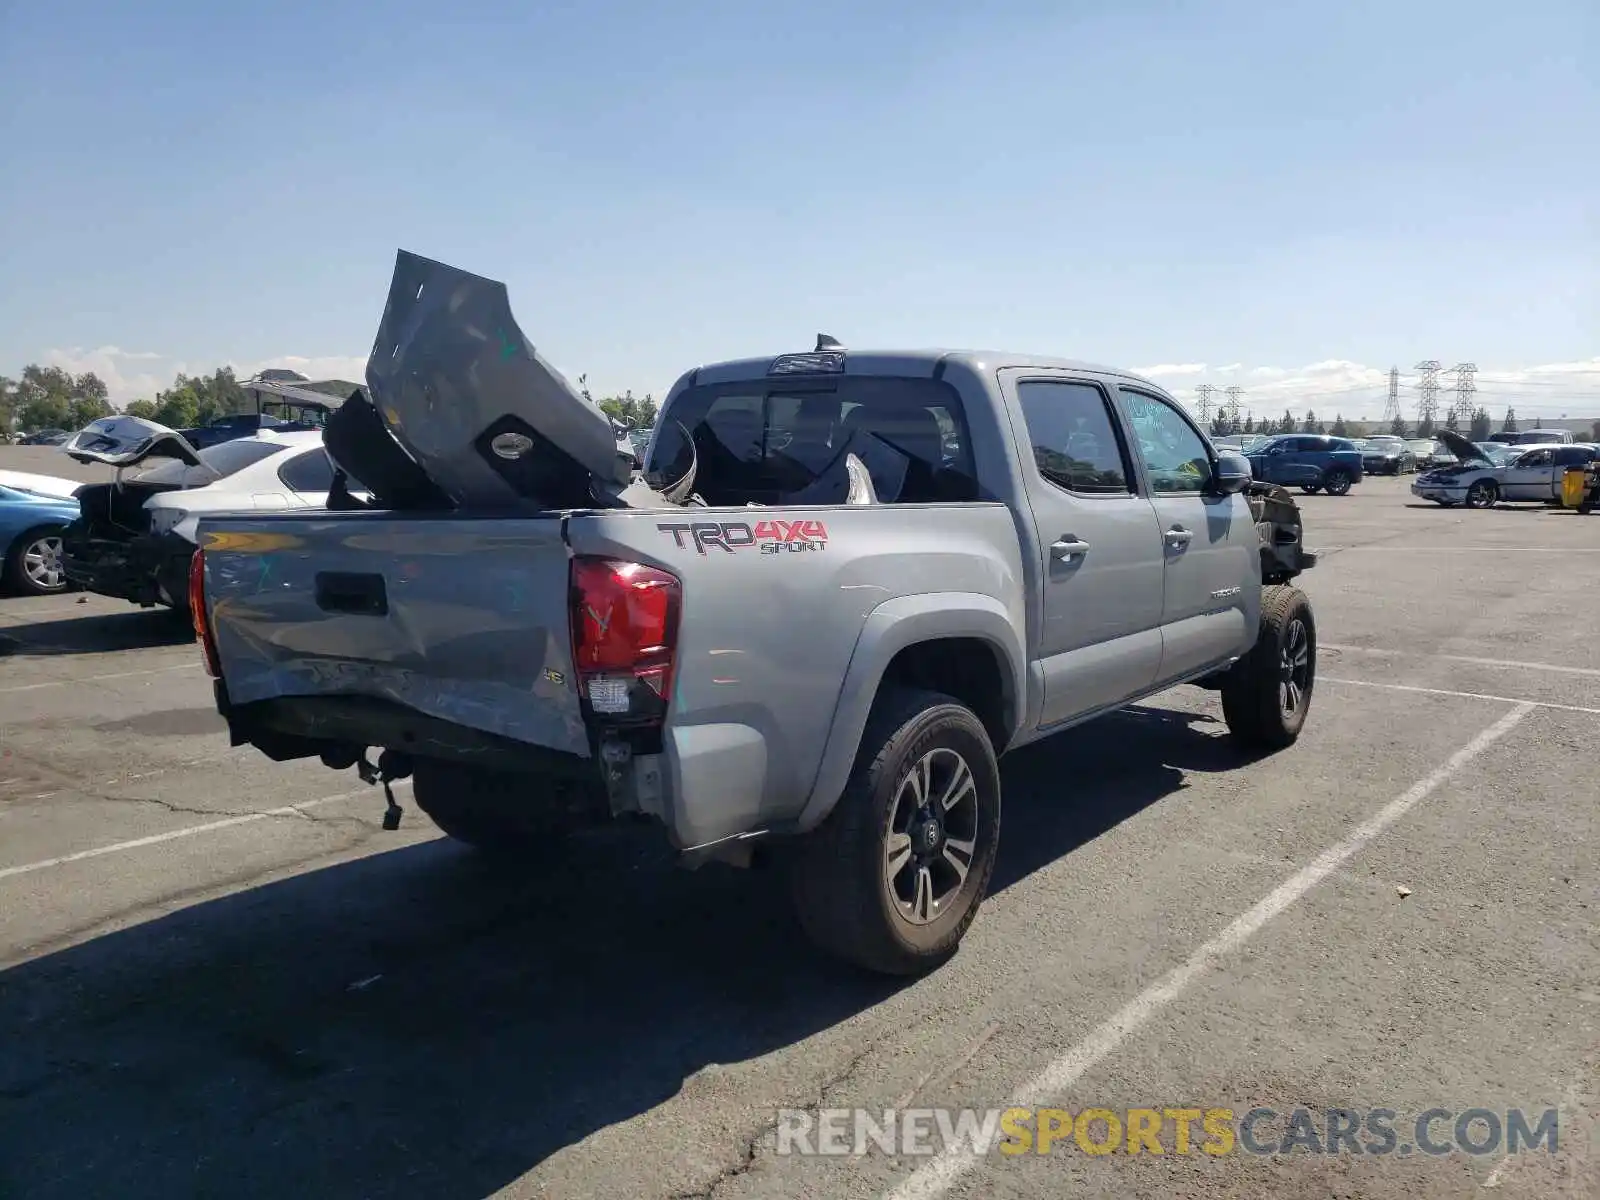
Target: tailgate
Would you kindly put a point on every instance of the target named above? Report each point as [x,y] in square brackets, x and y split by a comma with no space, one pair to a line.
[460,619]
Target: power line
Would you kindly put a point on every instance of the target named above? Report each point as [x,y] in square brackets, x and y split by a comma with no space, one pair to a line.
[1464,388]
[1203,392]
[1428,393]
[1391,408]
[1233,395]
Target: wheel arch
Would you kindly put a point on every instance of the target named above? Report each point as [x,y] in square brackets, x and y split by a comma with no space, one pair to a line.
[965,645]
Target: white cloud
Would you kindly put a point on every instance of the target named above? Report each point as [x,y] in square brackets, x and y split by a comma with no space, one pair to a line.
[1230,369]
[134,374]
[1163,369]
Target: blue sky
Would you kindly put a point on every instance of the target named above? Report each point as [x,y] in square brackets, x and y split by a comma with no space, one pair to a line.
[1287,196]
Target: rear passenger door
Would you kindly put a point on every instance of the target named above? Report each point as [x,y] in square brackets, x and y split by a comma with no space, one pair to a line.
[1098,548]
[1212,555]
[1529,477]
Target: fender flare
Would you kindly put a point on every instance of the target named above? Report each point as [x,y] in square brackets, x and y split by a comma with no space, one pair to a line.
[889,629]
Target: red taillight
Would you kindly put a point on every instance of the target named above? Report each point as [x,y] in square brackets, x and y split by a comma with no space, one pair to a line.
[624,636]
[197,614]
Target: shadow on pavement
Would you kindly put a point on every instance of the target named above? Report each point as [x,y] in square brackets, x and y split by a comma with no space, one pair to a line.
[105,633]
[417,1024]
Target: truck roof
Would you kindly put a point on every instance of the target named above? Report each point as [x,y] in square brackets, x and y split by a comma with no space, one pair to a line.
[914,363]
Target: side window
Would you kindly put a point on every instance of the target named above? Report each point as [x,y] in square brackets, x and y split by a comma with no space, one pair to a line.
[1535,458]
[1174,453]
[310,473]
[1074,438]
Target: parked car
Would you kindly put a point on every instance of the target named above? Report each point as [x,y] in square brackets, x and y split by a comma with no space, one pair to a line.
[1310,461]
[44,485]
[1386,454]
[133,539]
[1535,437]
[31,524]
[1477,481]
[827,645]
[1426,452]
[44,437]
[235,425]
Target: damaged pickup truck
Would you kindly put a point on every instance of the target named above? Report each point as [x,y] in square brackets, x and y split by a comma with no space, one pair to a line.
[845,583]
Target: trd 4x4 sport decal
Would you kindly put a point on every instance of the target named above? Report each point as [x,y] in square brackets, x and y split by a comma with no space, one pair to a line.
[770,537]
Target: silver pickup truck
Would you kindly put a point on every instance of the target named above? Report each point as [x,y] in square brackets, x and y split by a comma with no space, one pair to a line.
[856,579]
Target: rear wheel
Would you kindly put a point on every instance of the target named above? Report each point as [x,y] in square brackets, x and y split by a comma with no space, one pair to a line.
[1483,494]
[1267,693]
[33,566]
[498,813]
[1337,481]
[1311,489]
[893,877]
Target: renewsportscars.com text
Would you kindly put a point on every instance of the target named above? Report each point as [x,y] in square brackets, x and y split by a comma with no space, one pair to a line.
[1167,1130]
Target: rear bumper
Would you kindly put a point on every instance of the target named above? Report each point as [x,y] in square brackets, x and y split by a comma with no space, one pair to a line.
[147,570]
[706,786]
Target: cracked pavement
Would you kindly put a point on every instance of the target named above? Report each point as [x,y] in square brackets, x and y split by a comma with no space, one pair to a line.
[219,976]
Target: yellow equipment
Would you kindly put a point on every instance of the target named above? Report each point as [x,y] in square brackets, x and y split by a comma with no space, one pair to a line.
[1573,487]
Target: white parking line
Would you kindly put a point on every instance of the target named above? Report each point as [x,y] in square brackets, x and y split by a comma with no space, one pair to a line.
[1426,691]
[1463,658]
[172,835]
[50,683]
[938,1175]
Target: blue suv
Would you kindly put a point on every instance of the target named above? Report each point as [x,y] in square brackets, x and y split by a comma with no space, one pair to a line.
[1312,461]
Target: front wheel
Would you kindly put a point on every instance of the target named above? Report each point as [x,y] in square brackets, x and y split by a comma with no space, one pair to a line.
[1337,482]
[893,877]
[1483,494]
[34,567]
[1267,693]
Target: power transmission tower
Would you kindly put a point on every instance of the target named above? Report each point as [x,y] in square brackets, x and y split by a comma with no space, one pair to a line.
[1203,392]
[1391,410]
[1465,388]
[1428,394]
[1233,395]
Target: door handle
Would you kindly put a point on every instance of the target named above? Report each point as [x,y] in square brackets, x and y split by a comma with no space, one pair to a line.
[1178,537]
[1068,547]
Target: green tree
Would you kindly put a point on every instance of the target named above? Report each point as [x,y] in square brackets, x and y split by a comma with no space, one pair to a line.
[1510,425]
[1481,424]
[51,398]
[1398,426]
[1340,429]
[140,408]
[1249,423]
[1425,427]
[1309,425]
[1594,432]
[627,407]
[178,407]
[1219,425]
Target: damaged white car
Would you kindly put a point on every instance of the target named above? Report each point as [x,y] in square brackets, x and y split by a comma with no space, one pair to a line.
[135,536]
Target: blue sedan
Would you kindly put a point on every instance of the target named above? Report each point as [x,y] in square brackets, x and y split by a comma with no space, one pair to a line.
[30,540]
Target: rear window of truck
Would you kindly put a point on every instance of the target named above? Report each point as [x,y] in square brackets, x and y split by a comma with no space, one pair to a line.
[774,441]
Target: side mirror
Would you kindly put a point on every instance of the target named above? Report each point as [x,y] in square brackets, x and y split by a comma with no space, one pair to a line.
[1233,474]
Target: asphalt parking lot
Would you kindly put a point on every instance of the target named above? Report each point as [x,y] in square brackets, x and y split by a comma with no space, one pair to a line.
[220,977]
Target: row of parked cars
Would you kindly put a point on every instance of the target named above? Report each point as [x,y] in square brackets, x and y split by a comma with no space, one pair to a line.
[1450,468]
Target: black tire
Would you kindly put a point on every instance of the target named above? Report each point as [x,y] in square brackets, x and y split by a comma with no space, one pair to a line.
[500,814]
[1485,493]
[1337,481]
[15,570]
[1311,489]
[1256,695]
[840,879]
